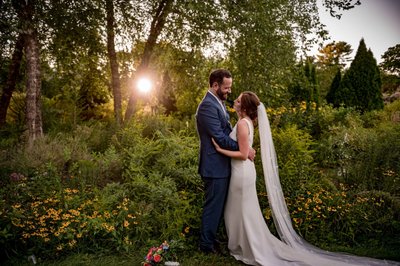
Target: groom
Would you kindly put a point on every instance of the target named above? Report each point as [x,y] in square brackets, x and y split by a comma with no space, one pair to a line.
[212,121]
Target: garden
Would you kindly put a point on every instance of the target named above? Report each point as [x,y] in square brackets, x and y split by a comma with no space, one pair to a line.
[97,190]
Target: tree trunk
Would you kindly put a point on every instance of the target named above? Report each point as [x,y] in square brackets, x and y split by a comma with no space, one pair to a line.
[115,78]
[13,74]
[33,84]
[26,11]
[157,25]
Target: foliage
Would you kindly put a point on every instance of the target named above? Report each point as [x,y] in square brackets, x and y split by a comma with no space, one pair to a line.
[336,54]
[122,192]
[338,5]
[363,150]
[331,96]
[71,200]
[324,217]
[333,57]
[305,86]
[180,73]
[263,53]
[295,160]
[391,60]
[390,83]
[360,86]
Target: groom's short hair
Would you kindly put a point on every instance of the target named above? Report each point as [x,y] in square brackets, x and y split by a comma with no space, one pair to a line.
[218,76]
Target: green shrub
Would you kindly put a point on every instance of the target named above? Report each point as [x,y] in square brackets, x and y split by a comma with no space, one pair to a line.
[161,169]
[339,217]
[364,157]
[295,158]
[68,220]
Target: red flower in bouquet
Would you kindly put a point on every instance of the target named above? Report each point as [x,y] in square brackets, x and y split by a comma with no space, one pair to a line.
[157,258]
[156,255]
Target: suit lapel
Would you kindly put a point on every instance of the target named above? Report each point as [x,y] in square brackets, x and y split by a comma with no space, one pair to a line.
[222,107]
[219,104]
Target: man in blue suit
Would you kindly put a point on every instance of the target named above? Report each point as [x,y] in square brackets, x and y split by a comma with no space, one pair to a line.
[212,120]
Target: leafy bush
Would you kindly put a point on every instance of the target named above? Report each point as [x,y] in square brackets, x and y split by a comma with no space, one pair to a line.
[295,159]
[341,218]
[364,157]
[66,220]
[161,170]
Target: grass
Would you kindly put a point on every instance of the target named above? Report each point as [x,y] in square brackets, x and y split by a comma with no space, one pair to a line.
[83,259]
[193,258]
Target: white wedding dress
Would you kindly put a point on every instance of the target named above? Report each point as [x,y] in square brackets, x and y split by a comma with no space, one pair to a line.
[249,239]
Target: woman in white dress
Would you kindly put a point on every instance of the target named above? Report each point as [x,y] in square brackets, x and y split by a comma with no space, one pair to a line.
[249,239]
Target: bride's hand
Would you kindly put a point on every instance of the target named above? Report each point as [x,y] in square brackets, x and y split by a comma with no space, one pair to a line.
[217,147]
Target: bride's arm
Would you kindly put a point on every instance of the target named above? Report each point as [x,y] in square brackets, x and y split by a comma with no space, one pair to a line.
[243,141]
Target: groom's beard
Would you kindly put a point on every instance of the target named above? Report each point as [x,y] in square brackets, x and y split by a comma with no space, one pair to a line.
[221,95]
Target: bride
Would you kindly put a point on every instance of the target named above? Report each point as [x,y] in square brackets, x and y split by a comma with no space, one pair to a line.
[249,239]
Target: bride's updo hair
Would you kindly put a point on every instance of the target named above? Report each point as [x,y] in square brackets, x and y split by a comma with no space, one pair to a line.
[249,103]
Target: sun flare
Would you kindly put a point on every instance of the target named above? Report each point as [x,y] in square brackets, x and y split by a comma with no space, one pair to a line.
[144,85]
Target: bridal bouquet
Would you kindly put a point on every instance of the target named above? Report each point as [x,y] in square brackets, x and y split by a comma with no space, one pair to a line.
[159,255]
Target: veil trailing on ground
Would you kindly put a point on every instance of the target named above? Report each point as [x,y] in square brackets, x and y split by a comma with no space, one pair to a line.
[279,209]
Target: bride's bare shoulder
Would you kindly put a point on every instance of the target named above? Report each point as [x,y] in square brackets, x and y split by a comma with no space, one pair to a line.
[242,124]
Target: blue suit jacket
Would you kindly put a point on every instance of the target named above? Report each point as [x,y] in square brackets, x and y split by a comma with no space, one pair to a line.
[212,123]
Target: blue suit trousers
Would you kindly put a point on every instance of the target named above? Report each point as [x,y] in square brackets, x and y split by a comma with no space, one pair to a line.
[216,190]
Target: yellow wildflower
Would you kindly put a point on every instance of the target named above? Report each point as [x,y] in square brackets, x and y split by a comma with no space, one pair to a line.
[126,223]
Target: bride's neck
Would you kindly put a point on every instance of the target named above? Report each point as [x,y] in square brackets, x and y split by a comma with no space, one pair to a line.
[244,115]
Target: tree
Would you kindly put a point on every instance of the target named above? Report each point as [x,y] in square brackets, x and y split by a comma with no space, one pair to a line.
[391,60]
[334,6]
[183,81]
[305,87]
[125,21]
[76,47]
[390,67]
[160,14]
[332,96]
[334,54]
[12,77]
[10,41]
[265,44]
[115,78]
[26,14]
[361,84]
[333,57]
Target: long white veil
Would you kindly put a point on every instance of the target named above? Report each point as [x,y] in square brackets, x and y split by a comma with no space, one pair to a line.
[279,209]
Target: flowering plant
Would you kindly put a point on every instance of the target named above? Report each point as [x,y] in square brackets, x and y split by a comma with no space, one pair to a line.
[157,255]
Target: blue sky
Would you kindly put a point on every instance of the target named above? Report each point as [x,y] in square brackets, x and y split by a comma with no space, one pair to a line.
[377,21]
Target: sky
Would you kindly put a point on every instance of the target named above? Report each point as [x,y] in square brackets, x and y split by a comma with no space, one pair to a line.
[377,21]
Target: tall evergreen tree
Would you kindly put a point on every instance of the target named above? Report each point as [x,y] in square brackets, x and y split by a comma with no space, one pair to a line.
[360,86]
[305,87]
[331,96]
